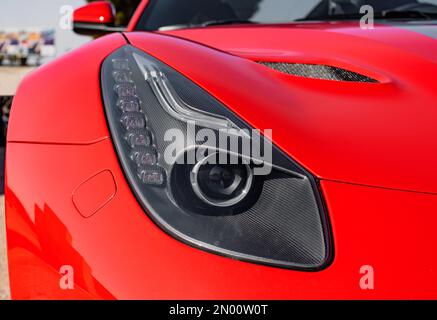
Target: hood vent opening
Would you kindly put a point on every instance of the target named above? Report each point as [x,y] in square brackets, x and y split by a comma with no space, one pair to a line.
[316,71]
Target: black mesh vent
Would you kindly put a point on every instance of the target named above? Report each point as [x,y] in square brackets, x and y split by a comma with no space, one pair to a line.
[316,71]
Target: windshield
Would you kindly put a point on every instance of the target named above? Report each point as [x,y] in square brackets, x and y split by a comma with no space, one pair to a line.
[163,14]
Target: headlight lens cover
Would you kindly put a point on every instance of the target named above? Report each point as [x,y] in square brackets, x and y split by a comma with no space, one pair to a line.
[168,133]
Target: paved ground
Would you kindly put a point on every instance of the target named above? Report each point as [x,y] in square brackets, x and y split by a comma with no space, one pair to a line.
[10,77]
[4,281]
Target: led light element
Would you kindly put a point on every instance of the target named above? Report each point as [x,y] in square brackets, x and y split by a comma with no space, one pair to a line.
[152,175]
[129,104]
[120,64]
[125,89]
[139,138]
[174,105]
[122,76]
[133,120]
[144,156]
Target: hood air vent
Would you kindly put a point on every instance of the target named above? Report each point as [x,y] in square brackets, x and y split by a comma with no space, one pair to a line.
[316,71]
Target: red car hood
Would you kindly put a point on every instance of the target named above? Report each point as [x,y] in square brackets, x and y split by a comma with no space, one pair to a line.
[378,134]
[310,39]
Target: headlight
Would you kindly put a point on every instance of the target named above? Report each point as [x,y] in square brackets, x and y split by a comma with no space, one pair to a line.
[203,175]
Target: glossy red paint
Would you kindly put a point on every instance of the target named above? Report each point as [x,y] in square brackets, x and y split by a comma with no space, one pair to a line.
[99,12]
[94,193]
[119,252]
[349,135]
[365,133]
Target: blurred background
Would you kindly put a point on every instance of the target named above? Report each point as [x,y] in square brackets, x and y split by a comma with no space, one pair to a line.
[33,33]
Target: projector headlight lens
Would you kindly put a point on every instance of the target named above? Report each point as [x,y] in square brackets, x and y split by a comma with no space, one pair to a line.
[193,166]
[221,185]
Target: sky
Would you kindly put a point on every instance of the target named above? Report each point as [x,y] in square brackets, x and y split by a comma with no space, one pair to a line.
[23,14]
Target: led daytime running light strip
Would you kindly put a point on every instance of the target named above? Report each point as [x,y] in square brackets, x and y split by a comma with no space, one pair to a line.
[174,105]
[134,121]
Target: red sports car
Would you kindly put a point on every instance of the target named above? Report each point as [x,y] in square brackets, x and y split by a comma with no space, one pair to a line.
[228,149]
